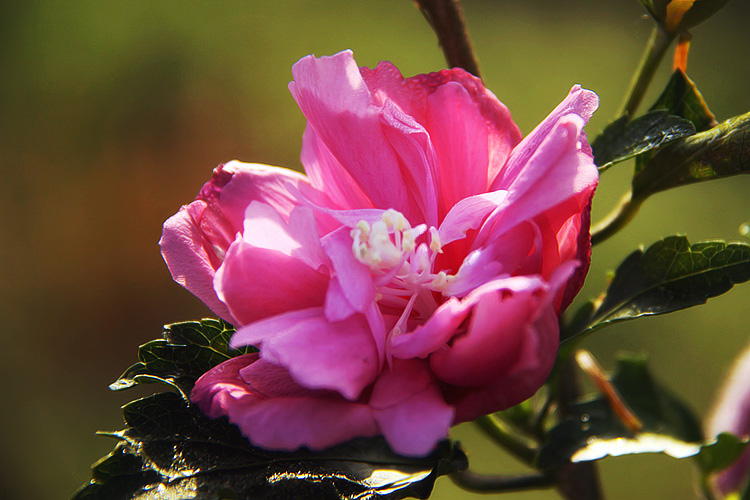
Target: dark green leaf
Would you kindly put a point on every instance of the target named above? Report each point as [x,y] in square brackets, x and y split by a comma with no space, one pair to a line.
[187,351]
[721,453]
[594,430]
[170,447]
[682,98]
[623,139]
[671,275]
[721,151]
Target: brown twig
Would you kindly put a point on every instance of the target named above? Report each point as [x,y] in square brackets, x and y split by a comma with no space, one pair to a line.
[447,21]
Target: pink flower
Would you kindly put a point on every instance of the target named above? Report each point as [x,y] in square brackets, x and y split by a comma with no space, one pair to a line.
[411,281]
[732,414]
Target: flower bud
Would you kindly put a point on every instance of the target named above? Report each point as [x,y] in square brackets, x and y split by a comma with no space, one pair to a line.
[677,16]
[732,414]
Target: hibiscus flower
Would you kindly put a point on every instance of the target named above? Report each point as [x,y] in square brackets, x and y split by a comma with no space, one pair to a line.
[411,280]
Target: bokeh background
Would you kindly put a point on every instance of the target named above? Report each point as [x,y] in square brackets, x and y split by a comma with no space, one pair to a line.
[112,115]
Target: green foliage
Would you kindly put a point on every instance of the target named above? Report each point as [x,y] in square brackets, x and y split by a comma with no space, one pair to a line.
[623,139]
[186,351]
[682,98]
[670,275]
[721,453]
[719,152]
[170,450]
[594,430]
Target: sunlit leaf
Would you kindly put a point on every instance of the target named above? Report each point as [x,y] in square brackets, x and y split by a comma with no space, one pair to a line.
[721,151]
[670,275]
[187,351]
[623,139]
[172,450]
[682,98]
[594,430]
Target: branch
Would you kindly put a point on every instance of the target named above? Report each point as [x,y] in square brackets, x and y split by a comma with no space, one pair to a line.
[575,481]
[447,21]
[482,483]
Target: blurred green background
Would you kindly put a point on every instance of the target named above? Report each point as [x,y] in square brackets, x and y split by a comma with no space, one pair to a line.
[112,115]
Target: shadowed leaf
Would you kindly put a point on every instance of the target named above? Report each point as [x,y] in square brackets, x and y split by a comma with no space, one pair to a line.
[670,275]
[623,139]
[682,98]
[171,448]
[721,453]
[595,431]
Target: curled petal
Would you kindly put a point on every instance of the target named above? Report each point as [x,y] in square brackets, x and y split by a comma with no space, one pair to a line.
[498,329]
[339,107]
[409,408]
[243,280]
[191,258]
[273,412]
[318,354]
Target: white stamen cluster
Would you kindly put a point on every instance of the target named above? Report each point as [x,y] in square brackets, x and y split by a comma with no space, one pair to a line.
[402,269]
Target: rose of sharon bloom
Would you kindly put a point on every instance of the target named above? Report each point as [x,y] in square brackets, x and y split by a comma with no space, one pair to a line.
[411,280]
[732,414]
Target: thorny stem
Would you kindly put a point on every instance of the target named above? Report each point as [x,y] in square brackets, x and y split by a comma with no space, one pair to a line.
[482,483]
[617,219]
[447,21]
[657,46]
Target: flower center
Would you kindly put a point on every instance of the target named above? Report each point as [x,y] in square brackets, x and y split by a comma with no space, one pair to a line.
[402,268]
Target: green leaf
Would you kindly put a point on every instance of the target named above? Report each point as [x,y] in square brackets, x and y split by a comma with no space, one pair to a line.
[186,352]
[721,453]
[623,139]
[172,448]
[721,151]
[670,275]
[594,431]
[682,98]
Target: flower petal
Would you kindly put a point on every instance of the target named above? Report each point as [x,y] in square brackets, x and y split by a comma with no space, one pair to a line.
[433,333]
[328,175]
[409,408]
[191,257]
[338,105]
[535,360]
[318,354]
[497,330]
[412,95]
[275,413]
[242,282]
[557,171]
[353,277]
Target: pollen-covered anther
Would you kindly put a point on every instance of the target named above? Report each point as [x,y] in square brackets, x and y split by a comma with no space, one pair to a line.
[435,244]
